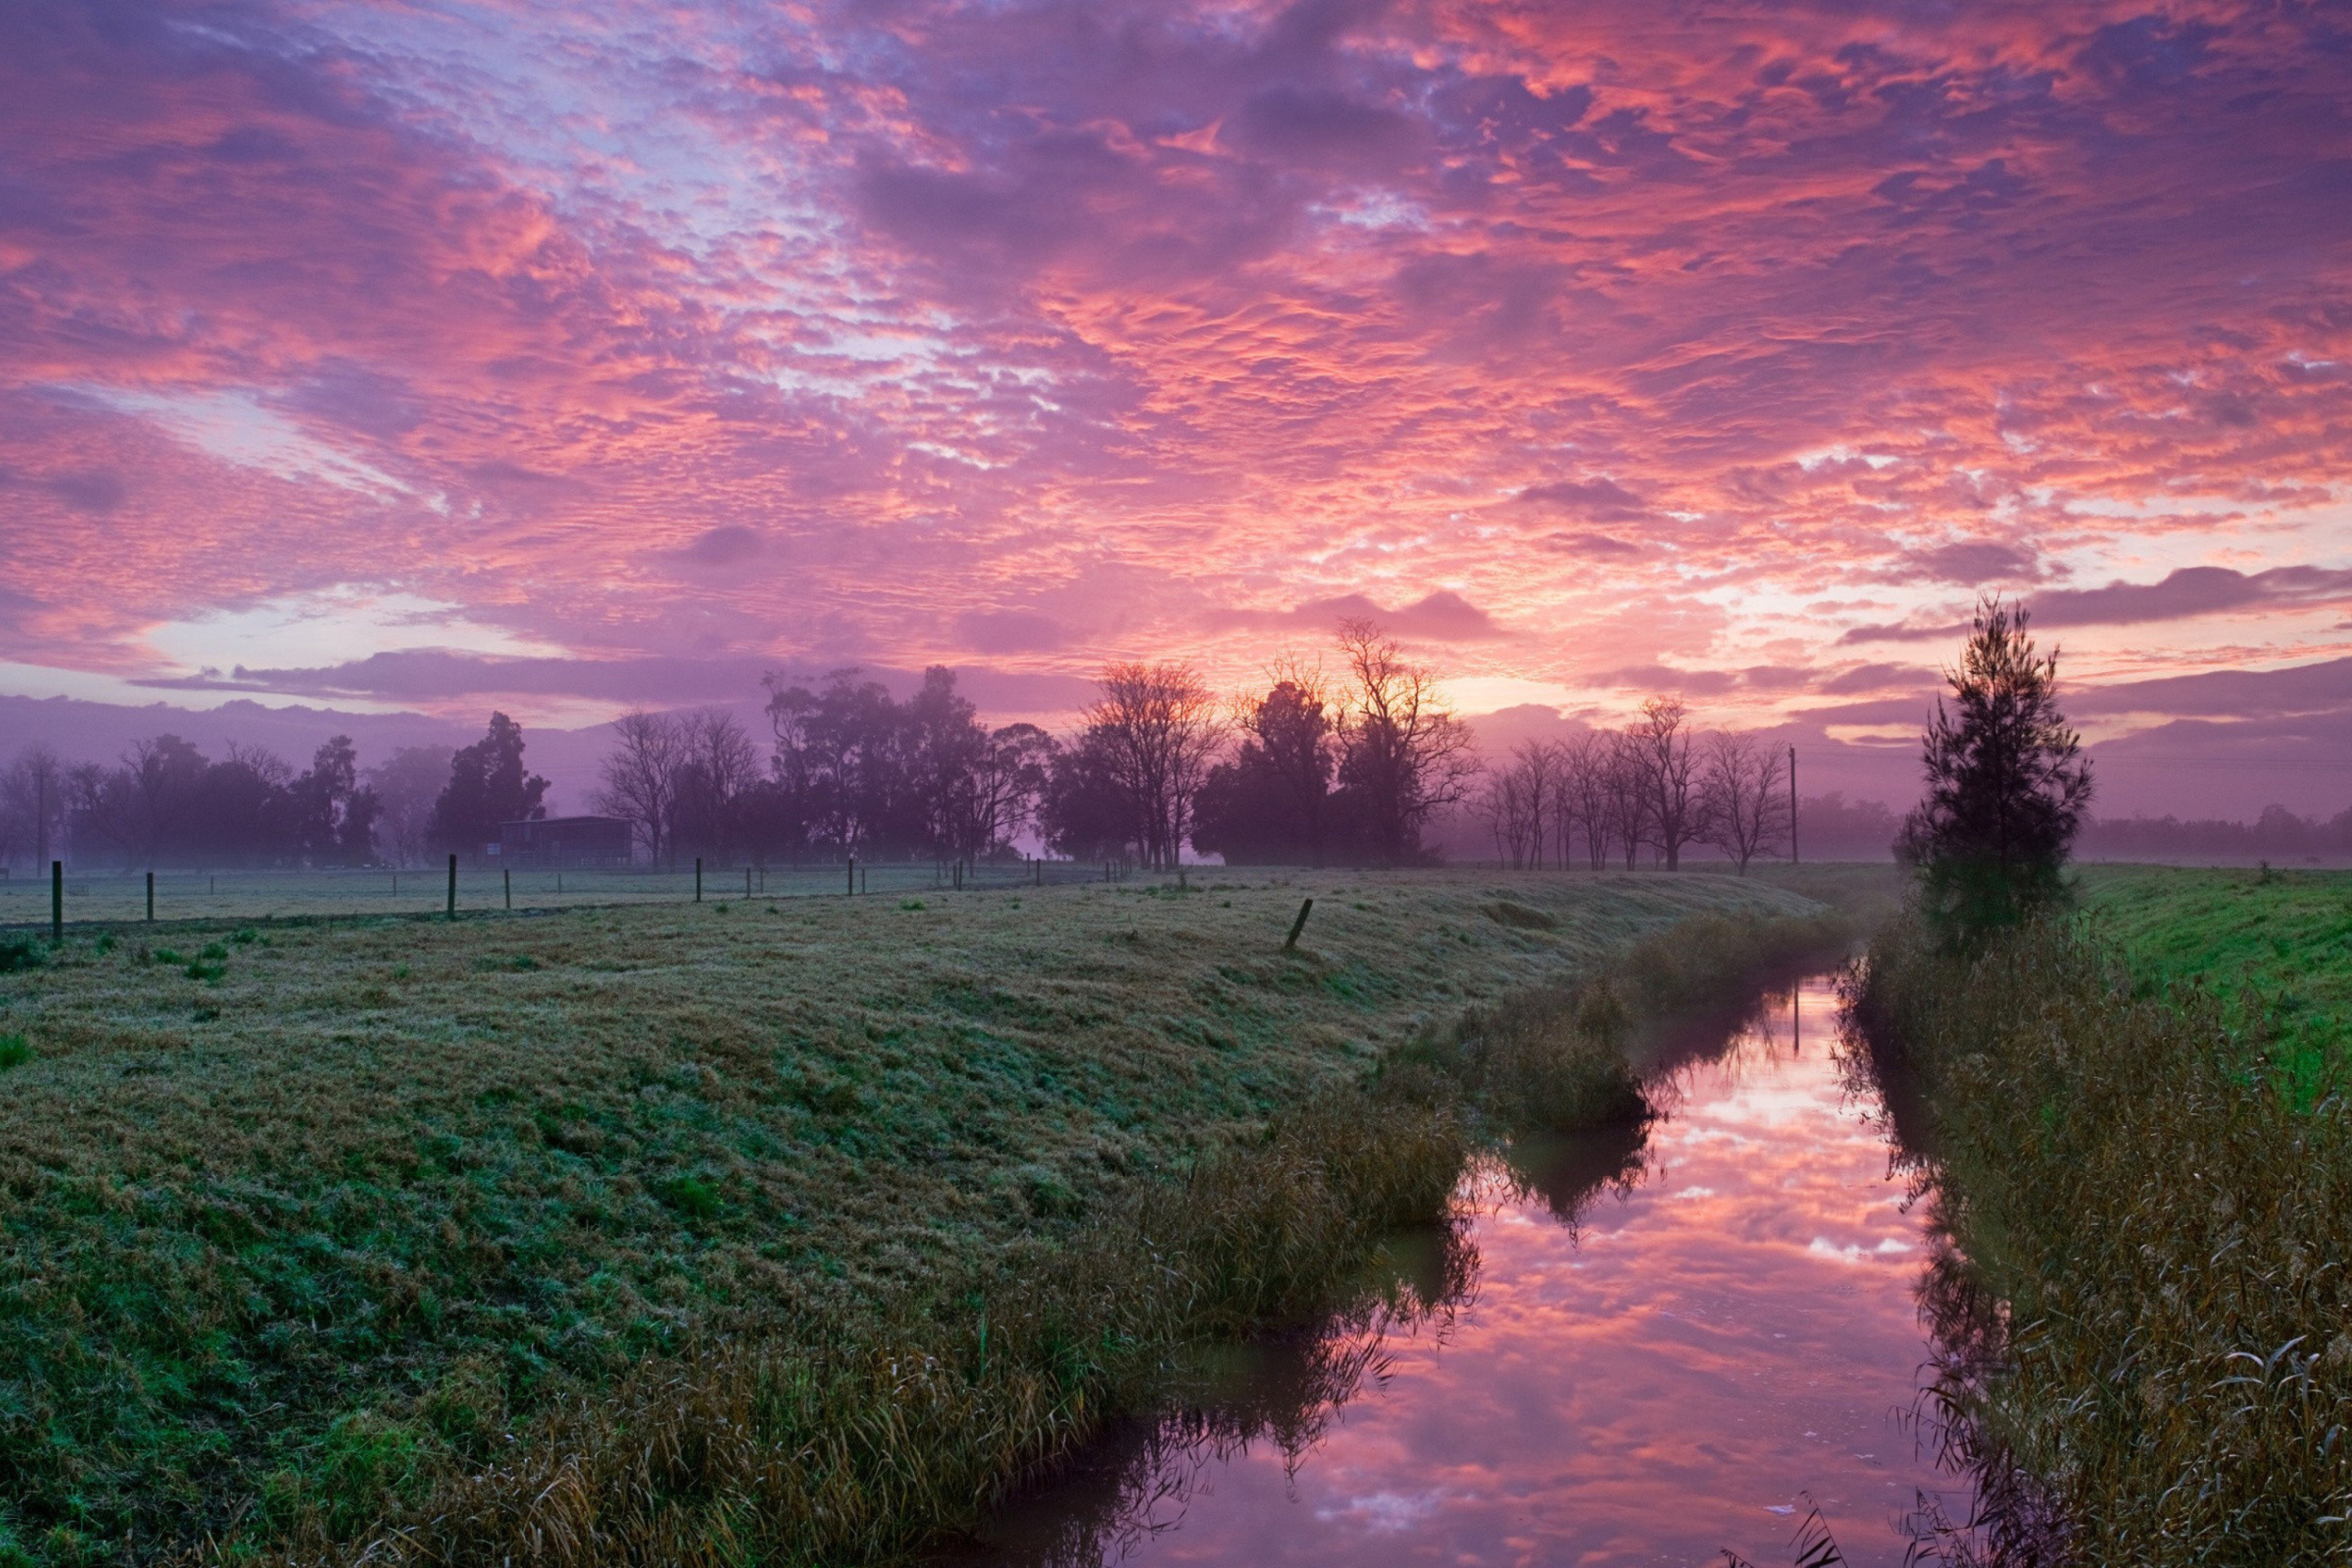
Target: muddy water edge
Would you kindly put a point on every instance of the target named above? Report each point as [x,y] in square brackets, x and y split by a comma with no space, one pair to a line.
[1649,1344]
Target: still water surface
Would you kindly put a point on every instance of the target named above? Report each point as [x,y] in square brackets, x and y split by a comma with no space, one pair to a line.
[1700,1355]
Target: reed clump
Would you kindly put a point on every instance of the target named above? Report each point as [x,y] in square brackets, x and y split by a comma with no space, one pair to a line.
[2144,1301]
[1712,962]
[1555,1058]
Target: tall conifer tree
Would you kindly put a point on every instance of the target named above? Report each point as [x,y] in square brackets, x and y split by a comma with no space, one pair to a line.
[2007,784]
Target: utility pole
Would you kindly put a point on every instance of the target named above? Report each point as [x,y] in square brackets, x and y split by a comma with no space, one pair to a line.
[1792,806]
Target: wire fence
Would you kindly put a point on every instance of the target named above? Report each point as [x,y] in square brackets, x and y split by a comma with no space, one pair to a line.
[121,897]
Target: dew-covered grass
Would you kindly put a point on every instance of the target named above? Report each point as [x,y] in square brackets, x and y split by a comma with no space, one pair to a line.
[302,1219]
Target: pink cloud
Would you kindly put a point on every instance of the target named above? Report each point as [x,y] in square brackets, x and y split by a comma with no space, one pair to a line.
[1037,335]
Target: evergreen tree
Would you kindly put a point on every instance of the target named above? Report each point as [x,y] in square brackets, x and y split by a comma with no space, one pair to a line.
[2007,785]
[486,787]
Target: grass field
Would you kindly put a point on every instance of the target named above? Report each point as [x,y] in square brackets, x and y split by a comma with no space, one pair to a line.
[293,1212]
[2274,946]
[2144,1169]
[109,895]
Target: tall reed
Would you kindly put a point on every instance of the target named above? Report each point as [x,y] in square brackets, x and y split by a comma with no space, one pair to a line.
[2144,1296]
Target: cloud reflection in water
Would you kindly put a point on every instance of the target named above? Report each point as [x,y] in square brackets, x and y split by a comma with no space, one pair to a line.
[1667,1375]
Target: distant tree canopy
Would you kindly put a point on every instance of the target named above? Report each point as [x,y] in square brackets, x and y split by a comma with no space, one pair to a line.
[2276,834]
[851,770]
[2007,784]
[1271,803]
[32,806]
[488,787]
[165,803]
[1659,783]
[1352,768]
[406,784]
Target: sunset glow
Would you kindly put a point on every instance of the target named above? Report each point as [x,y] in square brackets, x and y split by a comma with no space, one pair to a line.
[404,356]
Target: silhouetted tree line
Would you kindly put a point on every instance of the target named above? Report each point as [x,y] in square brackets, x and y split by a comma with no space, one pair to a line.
[850,769]
[1354,767]
[164,803]
[1659,783]
[2278,834]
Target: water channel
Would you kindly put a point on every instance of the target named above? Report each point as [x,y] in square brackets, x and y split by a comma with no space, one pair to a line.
[1692,1357]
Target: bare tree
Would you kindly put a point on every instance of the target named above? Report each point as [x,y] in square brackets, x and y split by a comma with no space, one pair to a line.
[1537,764]
[1747,806]
[1502,804]
[716,764]
[32,806]
[641,776]
[1663,749]
[1517,803]
[1159,727]
[1625,784]
[1582,799]
[1404,754]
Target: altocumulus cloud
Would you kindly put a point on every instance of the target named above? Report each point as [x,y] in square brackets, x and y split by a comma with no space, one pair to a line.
[849,332]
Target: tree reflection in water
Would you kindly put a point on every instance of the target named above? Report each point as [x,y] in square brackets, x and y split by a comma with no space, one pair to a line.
[2013,1521]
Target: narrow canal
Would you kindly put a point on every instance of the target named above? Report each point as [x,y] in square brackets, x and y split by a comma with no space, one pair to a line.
[1690,1358]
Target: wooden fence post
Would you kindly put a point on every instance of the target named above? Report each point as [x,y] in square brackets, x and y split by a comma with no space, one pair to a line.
[853,876]
[506,879]
[453,886]
[56,904]
[1290,942]
[698,879]
[151,898]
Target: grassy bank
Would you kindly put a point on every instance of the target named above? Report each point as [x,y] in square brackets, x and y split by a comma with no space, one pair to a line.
[2275,948]
[306,1221]
[2144,1301]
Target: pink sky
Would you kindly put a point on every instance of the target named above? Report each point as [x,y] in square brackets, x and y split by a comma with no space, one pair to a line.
[422,356]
